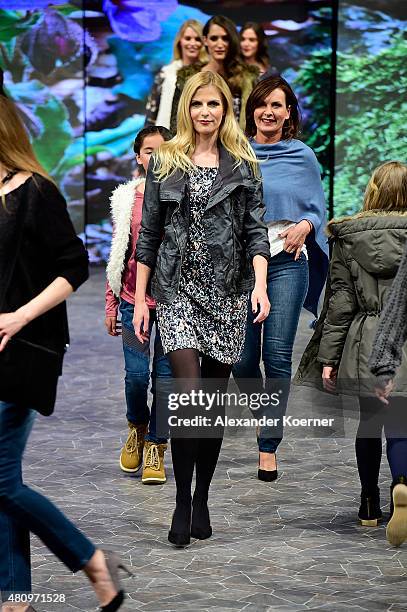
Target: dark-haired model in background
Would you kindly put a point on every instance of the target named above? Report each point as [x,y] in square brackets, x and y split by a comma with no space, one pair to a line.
[254,46]
[222,45]
[126,206]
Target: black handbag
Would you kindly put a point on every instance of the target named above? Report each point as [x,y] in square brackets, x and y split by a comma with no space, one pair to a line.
[28,371]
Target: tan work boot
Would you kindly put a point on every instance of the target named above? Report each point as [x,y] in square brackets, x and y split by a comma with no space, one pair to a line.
[153,468]
[396,531]
[131,457]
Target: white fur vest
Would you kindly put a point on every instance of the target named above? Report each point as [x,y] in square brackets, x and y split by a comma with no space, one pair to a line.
[121,206]
[169,74]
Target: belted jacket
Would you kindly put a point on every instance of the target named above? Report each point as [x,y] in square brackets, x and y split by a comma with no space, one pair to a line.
[233,224]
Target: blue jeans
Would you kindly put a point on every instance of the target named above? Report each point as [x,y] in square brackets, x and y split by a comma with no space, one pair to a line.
[137,380]
[287,286]
[23,510]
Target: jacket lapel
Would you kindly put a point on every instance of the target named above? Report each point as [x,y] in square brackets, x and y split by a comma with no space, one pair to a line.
[173,188]
[227,178]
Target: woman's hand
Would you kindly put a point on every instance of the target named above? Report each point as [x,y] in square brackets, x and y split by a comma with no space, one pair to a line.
[382,393]
[295,237]
[260,298]
[10,324]
[329,375]
[141,319]
[111,326]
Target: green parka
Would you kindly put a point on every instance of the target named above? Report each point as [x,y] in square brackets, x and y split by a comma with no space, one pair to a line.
[367,251]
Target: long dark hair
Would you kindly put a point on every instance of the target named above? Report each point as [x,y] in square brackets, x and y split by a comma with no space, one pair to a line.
[262,54]
[148,131]
[260,92]
[233,64]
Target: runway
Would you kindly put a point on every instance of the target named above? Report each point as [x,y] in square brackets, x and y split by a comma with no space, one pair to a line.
[290,545]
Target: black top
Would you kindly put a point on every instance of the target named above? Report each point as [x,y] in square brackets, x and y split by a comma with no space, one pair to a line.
[49,249]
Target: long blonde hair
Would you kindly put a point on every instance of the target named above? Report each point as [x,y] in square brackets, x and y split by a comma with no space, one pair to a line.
[16,151]
[197,27]
[387,187]
[176,153]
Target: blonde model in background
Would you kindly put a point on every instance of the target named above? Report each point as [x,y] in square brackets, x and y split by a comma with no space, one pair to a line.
[188,49]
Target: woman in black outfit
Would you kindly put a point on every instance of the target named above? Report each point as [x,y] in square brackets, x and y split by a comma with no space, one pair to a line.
[41,262]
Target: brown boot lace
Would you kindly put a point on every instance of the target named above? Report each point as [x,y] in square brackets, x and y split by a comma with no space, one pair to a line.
[152,459]
[131,442]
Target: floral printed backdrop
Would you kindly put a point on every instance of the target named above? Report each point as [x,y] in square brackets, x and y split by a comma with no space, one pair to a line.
[80,72]
[371,114]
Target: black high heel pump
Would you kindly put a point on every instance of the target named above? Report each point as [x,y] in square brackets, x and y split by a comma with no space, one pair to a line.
[267,475]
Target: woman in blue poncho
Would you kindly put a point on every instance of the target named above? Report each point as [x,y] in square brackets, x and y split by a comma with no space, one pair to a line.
[296,219]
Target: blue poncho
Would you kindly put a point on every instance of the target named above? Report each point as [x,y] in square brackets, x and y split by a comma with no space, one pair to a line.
[293,191]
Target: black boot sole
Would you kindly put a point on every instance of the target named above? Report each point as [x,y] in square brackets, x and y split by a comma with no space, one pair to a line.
[180,540]
[199,534]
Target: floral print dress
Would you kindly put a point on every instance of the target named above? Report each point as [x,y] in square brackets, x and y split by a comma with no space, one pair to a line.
[200,317]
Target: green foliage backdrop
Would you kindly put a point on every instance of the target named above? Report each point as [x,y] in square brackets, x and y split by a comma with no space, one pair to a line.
[372,118]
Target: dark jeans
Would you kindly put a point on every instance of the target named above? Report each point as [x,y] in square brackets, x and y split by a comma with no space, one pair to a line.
[23,510]
[137,380]
[374,416]
[287,286]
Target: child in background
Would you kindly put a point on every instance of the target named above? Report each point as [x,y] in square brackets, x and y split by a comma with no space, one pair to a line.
[367,251]
[126,207]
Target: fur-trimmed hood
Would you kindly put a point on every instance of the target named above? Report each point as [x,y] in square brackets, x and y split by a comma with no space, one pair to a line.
[373,238]
[121,206]
[335,226]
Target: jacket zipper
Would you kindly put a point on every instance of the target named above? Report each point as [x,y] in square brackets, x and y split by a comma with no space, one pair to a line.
[233,237]
[179,247]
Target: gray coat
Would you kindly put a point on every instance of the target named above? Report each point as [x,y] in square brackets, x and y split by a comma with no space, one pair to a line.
[367,251]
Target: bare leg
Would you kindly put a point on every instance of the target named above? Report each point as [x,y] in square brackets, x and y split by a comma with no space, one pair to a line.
[98,574]
[267,461]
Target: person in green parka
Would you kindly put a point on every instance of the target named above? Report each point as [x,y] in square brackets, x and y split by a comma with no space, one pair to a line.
[367,250]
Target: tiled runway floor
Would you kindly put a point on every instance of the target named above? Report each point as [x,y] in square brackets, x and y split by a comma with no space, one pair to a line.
[290,545]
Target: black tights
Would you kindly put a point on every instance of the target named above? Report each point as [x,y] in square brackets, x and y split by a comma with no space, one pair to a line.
[202,452]
[185,365]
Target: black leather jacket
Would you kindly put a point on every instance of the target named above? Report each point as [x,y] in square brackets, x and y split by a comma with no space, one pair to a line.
[234,229]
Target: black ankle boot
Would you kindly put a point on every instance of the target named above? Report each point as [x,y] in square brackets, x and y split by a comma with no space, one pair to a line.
[180,532]
[369,512]
[201,523]
[396,531]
